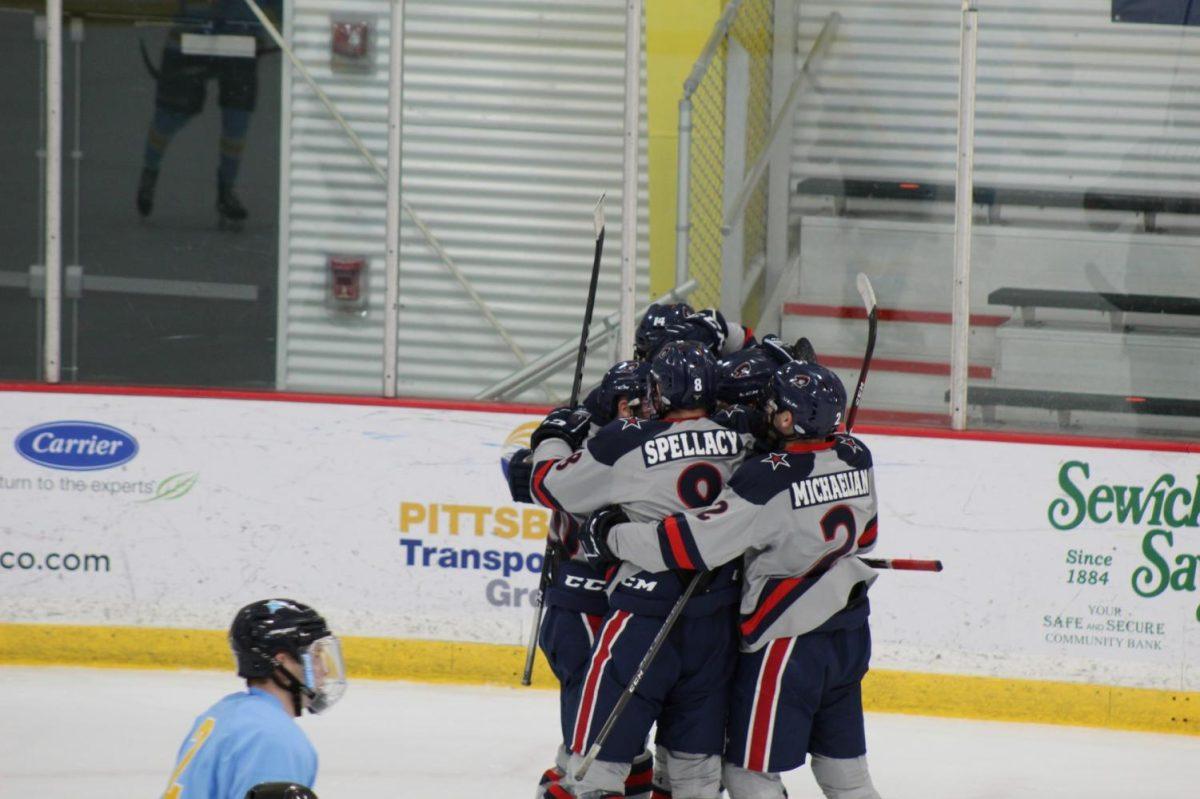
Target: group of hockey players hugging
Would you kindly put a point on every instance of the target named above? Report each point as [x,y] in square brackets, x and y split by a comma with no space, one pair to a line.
[718,458]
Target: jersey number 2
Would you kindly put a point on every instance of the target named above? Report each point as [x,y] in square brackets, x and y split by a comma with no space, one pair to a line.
[175,791]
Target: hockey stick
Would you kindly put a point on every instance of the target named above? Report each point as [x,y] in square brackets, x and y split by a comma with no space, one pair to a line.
[868,297]
[544,577]
[904,564]
[647,659]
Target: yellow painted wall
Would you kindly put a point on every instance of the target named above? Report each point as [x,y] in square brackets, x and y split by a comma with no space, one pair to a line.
[885,691]
[675,33]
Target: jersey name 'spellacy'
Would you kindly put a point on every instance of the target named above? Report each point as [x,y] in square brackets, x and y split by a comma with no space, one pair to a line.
[691,444]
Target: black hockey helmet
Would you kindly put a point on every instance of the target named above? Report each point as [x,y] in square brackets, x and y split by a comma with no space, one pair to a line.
[279,790]
[743,375]
[629,379]
[652,330]
[263,628]
[814,395]
[683,375]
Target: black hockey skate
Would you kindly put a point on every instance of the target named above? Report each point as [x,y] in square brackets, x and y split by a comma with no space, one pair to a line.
[231,214]
[145,192]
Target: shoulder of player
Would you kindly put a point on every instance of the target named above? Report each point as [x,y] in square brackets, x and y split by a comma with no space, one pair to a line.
[762,476]
[620,437]
[852,451]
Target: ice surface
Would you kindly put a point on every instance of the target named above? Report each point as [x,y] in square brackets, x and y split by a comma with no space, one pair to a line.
[109,734]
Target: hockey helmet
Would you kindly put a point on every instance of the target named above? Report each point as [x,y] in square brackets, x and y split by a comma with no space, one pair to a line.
[629,379]
[652,330]
[262,629]
[280,790]
[743,375]
[683,375]
[814,395]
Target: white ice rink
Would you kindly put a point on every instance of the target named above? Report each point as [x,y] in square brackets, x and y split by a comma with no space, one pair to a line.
[107,734]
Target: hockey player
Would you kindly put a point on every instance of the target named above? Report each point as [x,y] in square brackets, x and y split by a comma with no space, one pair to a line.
[181,78]
[797,517]
[576,601]
[742,379]
[651,468]
[651,333]
[291,662]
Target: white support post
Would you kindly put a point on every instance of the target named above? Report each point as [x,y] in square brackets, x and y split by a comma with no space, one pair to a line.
[964,202]
[52,346]
[733,249]
[285,202]
[391,323]
[629,191]
[683,220]
[783,71]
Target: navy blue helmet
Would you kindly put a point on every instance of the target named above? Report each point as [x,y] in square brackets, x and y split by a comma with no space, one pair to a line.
[743,375]
[652,330]
[814,395]
[683,375]
[629,379]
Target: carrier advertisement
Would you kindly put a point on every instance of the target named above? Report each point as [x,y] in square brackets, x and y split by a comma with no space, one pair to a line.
[1061,562]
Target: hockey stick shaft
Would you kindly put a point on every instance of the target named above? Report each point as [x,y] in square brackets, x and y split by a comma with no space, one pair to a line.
[904,564]
[580,358]
[867,292]
[647,660]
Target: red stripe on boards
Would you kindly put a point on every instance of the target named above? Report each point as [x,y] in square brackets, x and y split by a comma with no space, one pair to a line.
[764,707]
[888,314]
[975,372]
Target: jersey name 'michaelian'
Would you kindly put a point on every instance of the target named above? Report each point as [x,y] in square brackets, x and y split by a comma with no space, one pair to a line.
[830,487]
[691,444]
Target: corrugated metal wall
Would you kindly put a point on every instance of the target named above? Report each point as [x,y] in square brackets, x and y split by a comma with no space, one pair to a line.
[512,128]
[1067,99]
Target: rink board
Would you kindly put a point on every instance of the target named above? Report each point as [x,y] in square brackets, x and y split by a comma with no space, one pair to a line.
[1069,592]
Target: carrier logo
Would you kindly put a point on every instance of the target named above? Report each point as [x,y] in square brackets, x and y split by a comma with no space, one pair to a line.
[830,487]
[76,446]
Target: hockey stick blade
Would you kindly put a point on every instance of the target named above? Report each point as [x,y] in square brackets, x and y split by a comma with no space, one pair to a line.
[904,564]
[598,215]
[866,291]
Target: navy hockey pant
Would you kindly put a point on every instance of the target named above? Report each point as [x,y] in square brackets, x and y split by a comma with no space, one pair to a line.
[799,695]
[566,639]
[685,690]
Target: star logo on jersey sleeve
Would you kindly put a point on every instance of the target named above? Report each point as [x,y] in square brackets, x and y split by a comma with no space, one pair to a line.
[850,444]
[777,459]
[633,422]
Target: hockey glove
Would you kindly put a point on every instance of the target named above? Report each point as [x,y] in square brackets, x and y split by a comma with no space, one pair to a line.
[709,328]
[569,424]
[774,347]
[593,538]
[518,474]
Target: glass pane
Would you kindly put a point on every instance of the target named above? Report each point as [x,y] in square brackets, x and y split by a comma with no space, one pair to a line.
[172,209]
[1084,281]
[874,192]
[21,236]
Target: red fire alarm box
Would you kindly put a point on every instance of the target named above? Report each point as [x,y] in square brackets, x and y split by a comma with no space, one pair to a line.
[347,282]
[352,43]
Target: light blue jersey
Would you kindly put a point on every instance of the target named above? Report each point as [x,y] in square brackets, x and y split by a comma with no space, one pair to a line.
[243,740]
